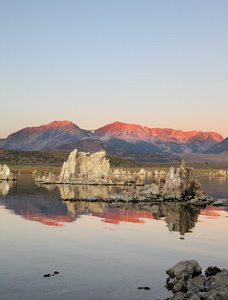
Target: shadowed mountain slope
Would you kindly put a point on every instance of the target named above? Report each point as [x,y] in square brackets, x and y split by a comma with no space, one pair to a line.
[87,145]
[220,147]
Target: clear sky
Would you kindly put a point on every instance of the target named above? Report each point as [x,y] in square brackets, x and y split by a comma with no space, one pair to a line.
[157,63]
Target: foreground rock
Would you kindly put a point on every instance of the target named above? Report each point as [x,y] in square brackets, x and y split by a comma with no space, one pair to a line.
[187,282]
[5,173]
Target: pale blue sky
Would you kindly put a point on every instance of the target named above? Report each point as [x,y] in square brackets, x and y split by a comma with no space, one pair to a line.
[155,63]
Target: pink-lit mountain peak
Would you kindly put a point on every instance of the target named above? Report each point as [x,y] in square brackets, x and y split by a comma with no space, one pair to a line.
[51,126]
[61,125]
[121,130]
[135,131]
[117,135]
[45,136]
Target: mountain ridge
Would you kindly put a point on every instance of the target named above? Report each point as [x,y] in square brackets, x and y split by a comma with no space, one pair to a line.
[162,140]
[117,136]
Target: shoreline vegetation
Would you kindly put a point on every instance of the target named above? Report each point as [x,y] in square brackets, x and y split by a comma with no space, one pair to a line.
[52,160]
[200,168]
[56,168]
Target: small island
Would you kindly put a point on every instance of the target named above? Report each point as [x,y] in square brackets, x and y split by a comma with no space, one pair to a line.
[180,184]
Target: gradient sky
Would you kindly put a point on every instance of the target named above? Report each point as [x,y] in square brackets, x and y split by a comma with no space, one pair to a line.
[158,63]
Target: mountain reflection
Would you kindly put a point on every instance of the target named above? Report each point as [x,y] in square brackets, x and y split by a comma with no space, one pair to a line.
[46,211]
[180,218]
[41,203]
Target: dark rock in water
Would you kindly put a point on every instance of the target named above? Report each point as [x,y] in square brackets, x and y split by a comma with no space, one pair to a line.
[144,288]
[211,271]
[56,272]
[49,275]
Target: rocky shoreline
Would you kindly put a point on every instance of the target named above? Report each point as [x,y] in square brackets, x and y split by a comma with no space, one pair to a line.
[186,281]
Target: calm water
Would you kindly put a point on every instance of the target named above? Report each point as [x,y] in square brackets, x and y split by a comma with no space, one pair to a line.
[100,251]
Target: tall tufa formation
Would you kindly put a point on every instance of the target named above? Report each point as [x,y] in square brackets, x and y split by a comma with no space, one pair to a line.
[82,168]
[85,166]
[5,173]
[181,182]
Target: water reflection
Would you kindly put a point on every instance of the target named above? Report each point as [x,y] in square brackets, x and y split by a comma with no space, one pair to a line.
[85,191]
[5,187]
[178,217]
[84,207]
[42,203]
[216,187]
[47,212]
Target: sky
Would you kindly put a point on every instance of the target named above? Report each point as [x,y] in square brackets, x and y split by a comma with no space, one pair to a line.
[157,63]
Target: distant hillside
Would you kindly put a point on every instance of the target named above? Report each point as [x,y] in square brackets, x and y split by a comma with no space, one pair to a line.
[204,158]
[87,145]
[51,157]
[220,147]
[152,157]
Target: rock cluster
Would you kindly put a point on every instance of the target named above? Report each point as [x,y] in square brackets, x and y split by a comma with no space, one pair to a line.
[180,184]
[221,173]
[5,173]
[187,282]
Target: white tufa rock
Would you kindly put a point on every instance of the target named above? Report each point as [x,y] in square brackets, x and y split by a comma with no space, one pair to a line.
[83,168]
[181,182]
[5,173]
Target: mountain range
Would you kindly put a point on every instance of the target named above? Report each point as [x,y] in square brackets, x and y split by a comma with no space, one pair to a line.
[116,138]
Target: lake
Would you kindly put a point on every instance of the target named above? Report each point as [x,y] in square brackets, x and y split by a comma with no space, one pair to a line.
[101,251]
